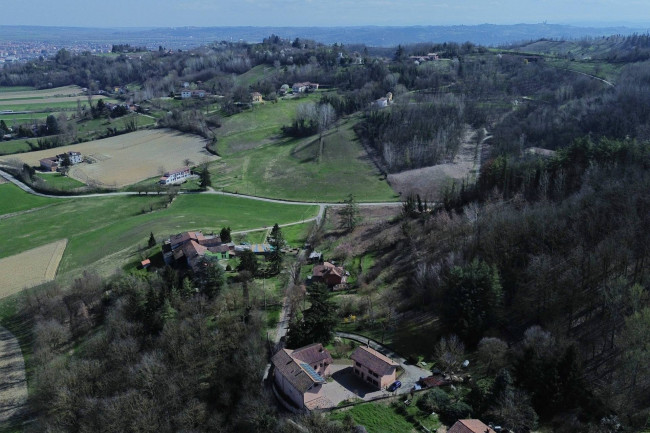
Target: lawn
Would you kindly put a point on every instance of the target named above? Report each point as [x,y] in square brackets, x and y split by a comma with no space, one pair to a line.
[384,418]
[290,169]
[296,235]
[13,199]
[376,418]
[99,227]
[59,182]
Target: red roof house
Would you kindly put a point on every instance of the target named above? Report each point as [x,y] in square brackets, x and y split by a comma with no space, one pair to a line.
[374,367]
[470,426]
[329,274]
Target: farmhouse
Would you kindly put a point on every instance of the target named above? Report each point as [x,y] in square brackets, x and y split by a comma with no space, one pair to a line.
[373,367]
[303,87]
[53,163]
[189,247]
[49,164]
[186,94]
[329,274]
[299,374]
[470,426]
[257,97]
[176,176]
[385,101]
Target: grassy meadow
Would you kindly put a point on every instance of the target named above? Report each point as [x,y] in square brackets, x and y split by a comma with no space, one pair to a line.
[101,227]
[59,182]
[14,199]
[290,169]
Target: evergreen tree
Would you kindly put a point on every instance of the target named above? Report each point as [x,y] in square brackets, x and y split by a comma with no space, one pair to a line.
[276,240]
[210,277]
[204,179]
[152,241]
[472,300]
[318,322]
[248,262]
[349,215]
[225,234]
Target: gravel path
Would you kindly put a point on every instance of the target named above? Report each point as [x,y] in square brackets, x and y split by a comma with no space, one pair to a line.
[13,383]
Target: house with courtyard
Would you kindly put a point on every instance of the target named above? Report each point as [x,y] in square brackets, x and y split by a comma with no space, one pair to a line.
[299,375]
[373,367]
[188,248]
[470,426]
[55,162]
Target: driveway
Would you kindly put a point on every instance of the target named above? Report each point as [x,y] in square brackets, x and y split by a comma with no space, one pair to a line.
[412,373]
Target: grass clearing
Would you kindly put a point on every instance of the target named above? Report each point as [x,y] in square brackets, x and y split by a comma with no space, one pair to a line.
[257,126]
[296,235]
[57,181]
[30,268]
[104,228]
[290,169]
[14,199]
[255,74]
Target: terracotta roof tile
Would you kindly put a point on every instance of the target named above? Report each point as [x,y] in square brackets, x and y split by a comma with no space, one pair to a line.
[374,360]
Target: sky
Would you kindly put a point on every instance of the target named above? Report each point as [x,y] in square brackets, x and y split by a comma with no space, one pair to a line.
[297,13]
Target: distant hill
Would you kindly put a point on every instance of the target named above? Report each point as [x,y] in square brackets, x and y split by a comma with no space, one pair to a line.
[188,37]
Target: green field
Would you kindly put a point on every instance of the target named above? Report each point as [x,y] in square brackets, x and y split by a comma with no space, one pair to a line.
[99,227]
[59,182]
[297,235]
[25,117]
[257,126]
[89,129]
[290,169]
[13,199]
[255,74]
[15,146]
[43,105]
[9,89]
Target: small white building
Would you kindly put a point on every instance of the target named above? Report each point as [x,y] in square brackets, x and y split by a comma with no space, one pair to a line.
[186,94]
[176,176]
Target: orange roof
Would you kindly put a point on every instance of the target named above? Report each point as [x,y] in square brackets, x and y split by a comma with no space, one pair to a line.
[470,426]
[145,262]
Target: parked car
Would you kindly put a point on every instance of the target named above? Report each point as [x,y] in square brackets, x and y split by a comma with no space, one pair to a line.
[393,386]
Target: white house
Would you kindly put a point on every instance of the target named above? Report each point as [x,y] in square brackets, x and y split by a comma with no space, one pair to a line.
[176,176]
[186,94]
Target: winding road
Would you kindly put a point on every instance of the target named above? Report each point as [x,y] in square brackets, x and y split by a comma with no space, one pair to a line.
[317,218]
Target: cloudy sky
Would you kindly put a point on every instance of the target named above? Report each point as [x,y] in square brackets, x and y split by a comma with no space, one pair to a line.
[202,13]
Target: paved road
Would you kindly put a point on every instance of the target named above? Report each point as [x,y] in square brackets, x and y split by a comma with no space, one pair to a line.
[412,373]
[317,218]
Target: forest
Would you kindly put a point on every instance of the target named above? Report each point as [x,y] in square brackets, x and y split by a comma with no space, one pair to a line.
[538,269]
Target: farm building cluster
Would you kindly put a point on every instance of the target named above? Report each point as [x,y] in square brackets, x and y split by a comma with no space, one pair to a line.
[304,87]
[54,163]
[188,248]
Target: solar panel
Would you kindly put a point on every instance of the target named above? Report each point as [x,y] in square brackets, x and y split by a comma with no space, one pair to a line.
[311,372]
